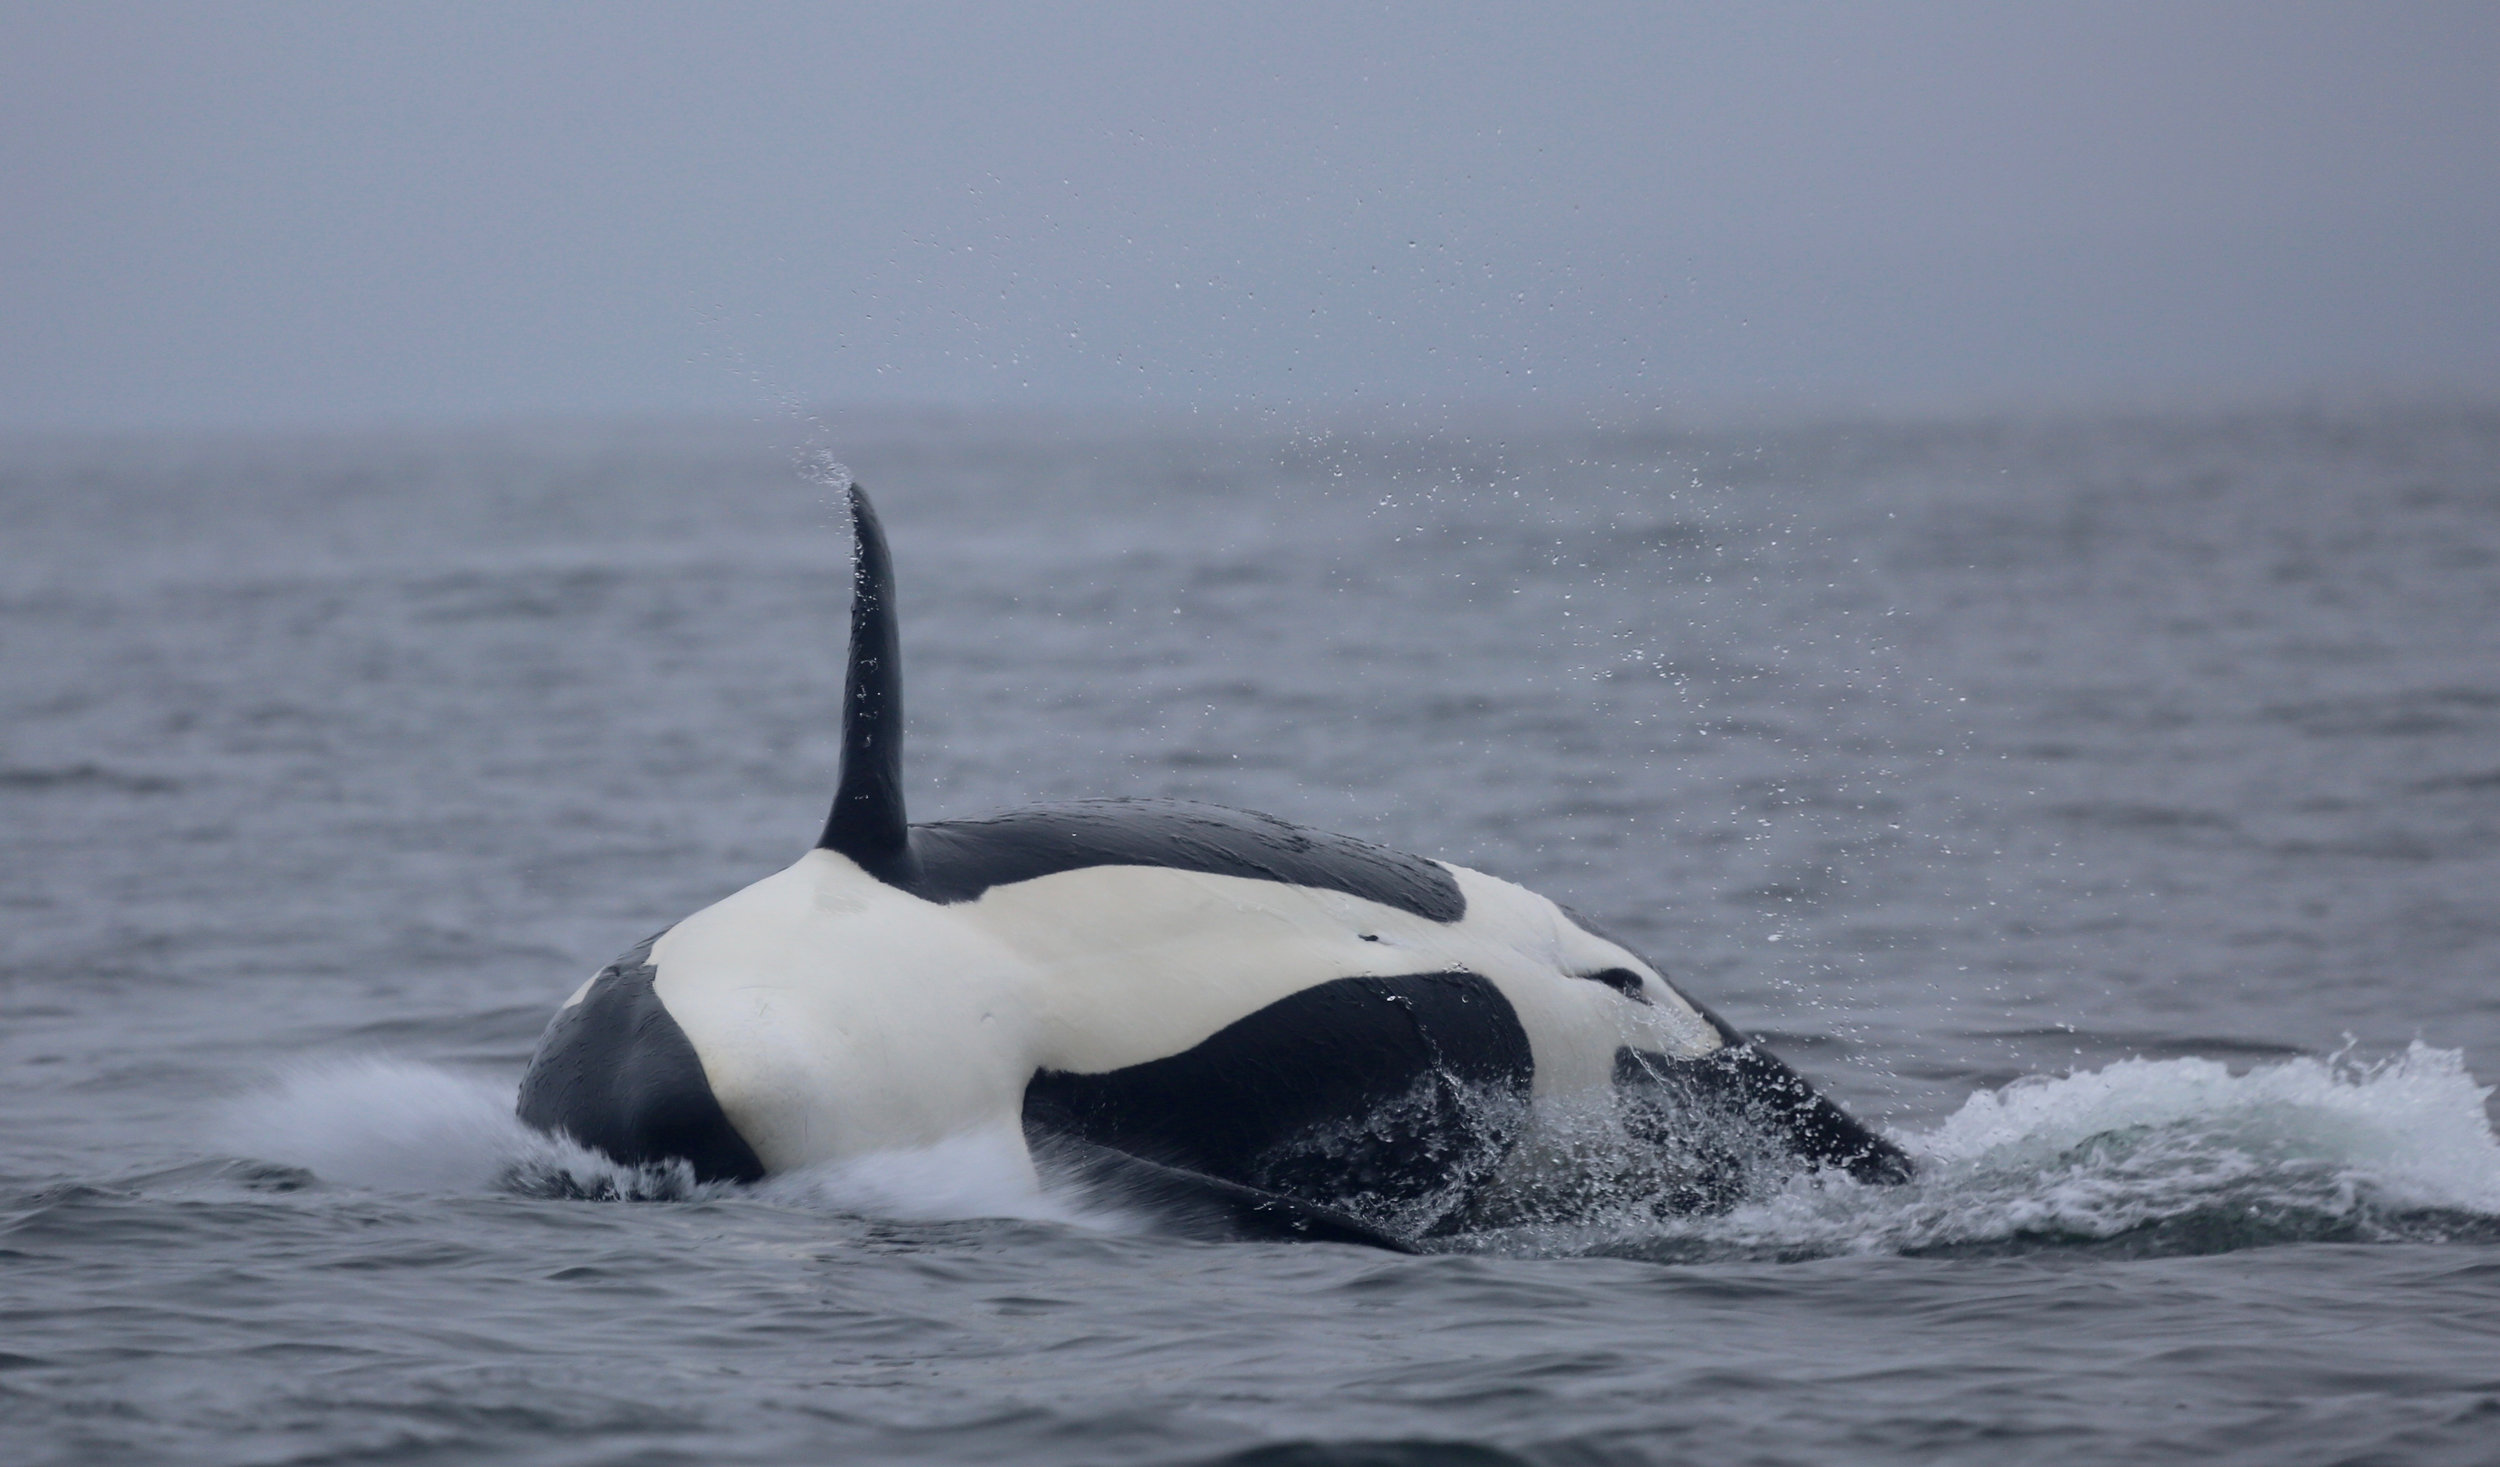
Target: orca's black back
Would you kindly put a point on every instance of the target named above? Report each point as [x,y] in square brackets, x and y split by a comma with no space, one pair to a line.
[957,860]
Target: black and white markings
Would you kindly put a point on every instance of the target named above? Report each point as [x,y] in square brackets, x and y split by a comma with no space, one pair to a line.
[615,1072]
[1622,980]
[1271,1030]
[1367,1095]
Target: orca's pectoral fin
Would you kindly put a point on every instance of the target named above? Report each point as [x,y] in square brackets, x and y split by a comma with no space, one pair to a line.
[1197,1205]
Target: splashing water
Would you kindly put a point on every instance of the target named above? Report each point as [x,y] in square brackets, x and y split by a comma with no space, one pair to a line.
[2153,1157]
[819,466]
[2412,1128]
[391,1125]
[978,1175]
[2142,1157]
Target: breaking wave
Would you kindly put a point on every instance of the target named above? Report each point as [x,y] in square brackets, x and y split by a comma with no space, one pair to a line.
[2144,1157]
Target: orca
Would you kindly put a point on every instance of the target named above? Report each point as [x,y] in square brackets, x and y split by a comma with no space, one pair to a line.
[1251,1028]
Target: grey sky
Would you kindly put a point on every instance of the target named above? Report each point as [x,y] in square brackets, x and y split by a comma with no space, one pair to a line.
[276,215]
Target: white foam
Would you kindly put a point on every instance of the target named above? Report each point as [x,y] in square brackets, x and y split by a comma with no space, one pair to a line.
[2289,1149]
[978,1175]
[395,1126]
[2413,1128]
[2298,1148]
[381,1123]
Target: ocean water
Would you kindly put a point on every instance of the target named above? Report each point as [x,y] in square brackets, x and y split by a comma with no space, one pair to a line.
[2107,806]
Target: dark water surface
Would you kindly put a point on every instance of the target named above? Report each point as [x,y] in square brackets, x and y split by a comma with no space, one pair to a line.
[2108,807]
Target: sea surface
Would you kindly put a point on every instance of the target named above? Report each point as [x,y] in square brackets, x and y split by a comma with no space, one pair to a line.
[2107,805]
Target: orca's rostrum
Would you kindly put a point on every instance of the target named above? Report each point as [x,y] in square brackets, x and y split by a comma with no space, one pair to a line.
[1236,1021]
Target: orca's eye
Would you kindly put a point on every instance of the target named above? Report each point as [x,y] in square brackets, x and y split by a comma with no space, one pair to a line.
[1621,980]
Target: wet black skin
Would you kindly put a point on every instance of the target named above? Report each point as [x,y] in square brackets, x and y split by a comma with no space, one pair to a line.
[1306,1119]
[615,1073]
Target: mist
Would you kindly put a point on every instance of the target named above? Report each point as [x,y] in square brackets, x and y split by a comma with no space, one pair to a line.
[290,216]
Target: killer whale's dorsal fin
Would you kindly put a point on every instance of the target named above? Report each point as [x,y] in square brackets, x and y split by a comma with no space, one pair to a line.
[868,824]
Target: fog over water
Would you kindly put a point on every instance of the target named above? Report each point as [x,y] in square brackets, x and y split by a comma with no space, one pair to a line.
[293,215]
